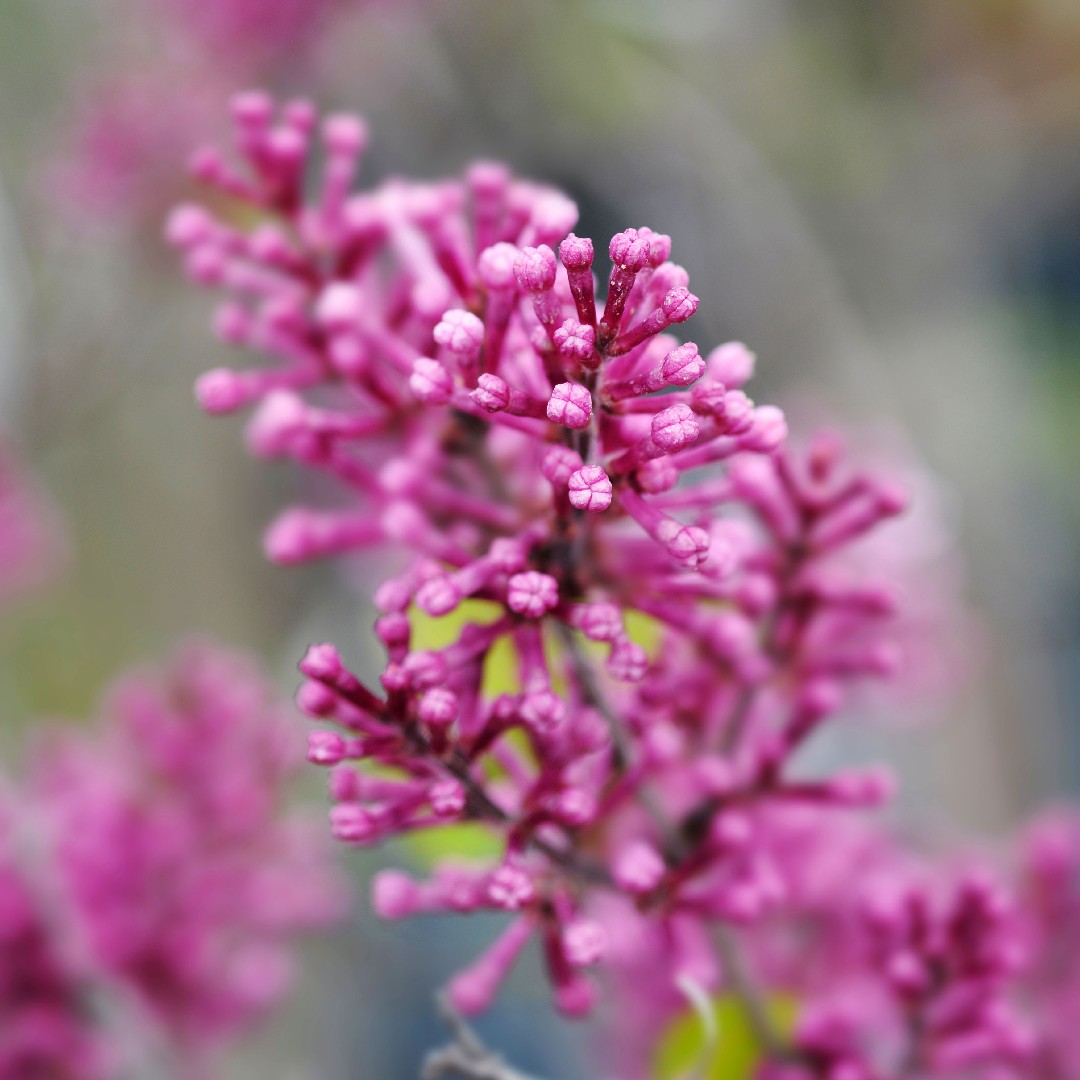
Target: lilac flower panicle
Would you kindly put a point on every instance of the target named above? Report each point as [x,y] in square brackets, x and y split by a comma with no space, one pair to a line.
[672,577]
[153,882]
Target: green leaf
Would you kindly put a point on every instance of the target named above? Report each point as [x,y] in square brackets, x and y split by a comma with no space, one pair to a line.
[500,664]
[734,1054]
[468,842]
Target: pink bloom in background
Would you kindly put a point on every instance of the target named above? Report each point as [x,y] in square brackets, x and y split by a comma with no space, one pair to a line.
[252,32]
[130,126]
[32,546]
[171,864]
[127,134]
[46,1026]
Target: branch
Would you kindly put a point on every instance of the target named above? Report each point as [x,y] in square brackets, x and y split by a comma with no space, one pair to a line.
[466,1056]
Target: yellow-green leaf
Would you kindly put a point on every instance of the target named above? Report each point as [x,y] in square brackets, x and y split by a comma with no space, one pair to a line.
[468,841]
[733,1054]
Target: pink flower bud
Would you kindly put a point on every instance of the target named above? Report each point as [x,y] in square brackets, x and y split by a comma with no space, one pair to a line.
[447,798]
[352,823]
[496,266]
[674,428]
[628,251]
[431,382]
[438,596]
[576,252]
[534,269]
[590,489]
[438,707]
[344,134]
[558,464]
[685,543]
[638,867]
[683,365]
[576,340]
[325,748]
[628,661]
[585,943]
[460,332]
[394,895]
[678,306]
[220,391]
[532,594]
[732,364]
[491,393]
[510,888]
[339,305]
[543,711]
[570,404]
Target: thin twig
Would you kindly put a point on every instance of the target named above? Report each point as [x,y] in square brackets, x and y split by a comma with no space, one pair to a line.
[466,1056]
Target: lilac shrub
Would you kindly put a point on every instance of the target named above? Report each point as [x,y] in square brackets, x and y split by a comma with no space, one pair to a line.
[153,880]
[683,592]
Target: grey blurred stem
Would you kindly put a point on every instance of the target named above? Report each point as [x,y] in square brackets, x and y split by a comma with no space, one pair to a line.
[466,1056]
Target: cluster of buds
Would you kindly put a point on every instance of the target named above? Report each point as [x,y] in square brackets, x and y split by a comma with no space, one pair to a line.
[152,881]
[508,436]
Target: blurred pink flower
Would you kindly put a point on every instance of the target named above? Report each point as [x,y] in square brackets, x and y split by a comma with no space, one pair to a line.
[32,544]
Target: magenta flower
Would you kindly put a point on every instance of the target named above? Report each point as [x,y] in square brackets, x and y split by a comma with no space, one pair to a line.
[532,444]
[151,907]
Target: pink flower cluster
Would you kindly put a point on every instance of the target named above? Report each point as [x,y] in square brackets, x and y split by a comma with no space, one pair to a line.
[505,431]
[152,880]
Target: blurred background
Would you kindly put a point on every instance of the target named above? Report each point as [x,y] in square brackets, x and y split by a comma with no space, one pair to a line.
[883,200]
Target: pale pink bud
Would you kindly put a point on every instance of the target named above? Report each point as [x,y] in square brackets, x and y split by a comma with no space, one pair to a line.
[344,134]
[590,489]
[339,305]
[532,594]
[585,943]
[543,711]
[656,476]
[534,269]
[683,365]
[510,888]
[638,867]
[431,382]
[220,391]
[732,364]
[447,798]
[325,748]
[768,430]
[394,895]
[438,596]
[438,707]
[558,463]
[674,428]
[507,554]
[352,823]
[570,404]
[679,305]
[628,661]
[576,252]
[460,332]
[496,265]
[575,339]
[491,393]
[686,543]
[599,622]
[276,423]
[187,225]
[628,251]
